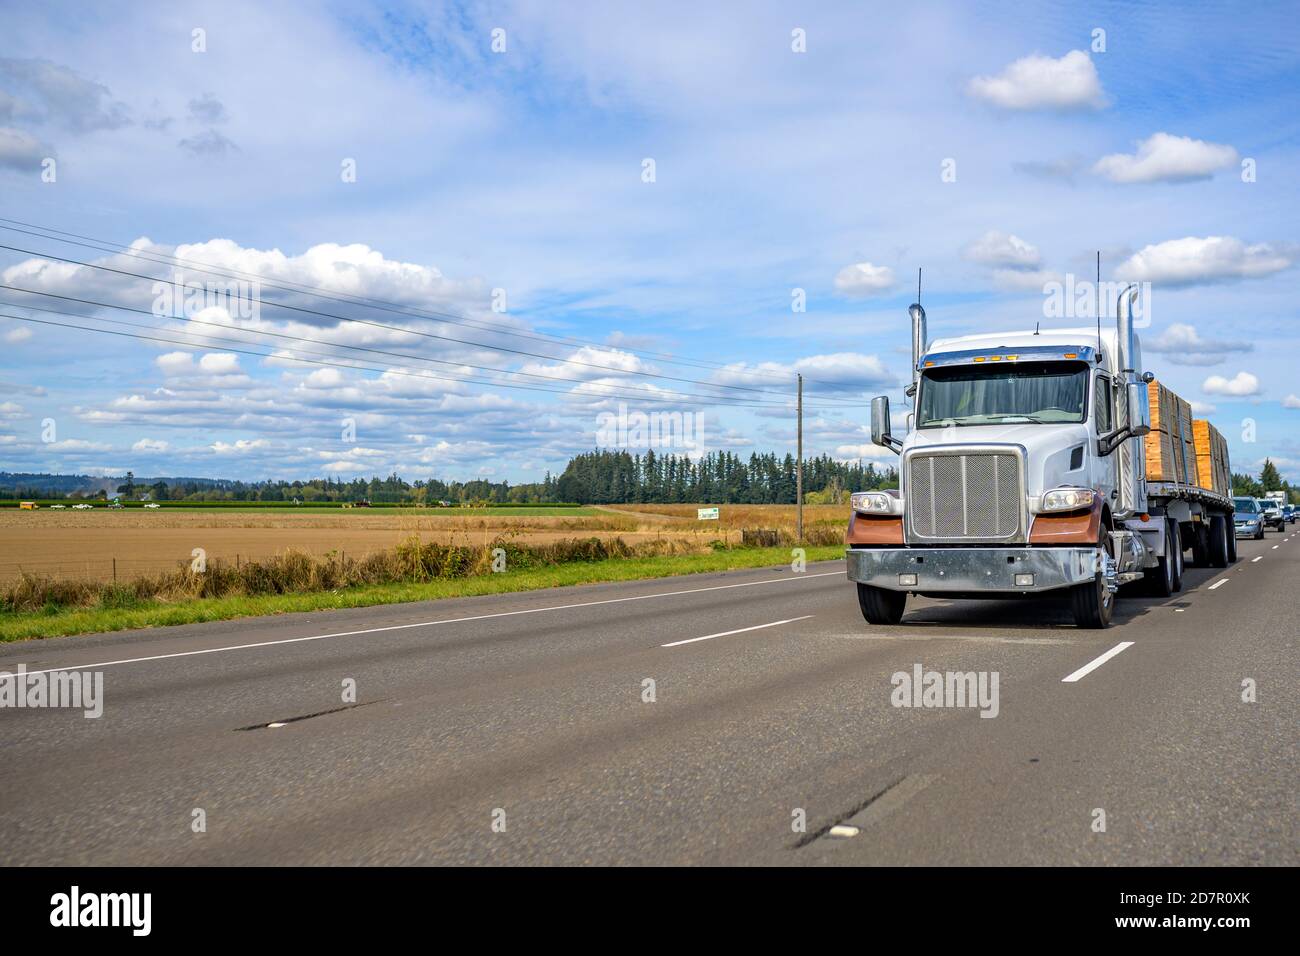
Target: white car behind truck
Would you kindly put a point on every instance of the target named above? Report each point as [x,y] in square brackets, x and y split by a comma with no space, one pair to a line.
[1271,505]
[1024,471]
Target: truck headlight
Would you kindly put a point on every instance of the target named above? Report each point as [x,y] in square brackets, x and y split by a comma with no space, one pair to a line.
[874,503]
[1068,499]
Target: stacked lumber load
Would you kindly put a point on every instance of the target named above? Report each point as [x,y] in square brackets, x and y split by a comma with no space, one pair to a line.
[1170,445]
[1212,467]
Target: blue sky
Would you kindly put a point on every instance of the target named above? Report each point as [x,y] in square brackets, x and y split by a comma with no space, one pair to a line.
[996,146]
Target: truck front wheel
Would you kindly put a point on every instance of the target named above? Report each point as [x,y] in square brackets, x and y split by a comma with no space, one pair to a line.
[1093,603]
[880,606]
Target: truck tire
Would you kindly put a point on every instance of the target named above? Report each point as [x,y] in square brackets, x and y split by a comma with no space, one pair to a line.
[1166,577]
[1200,546]
[1232,541]
[880,606]
[1093,603]
[1176,530]
[1218,541]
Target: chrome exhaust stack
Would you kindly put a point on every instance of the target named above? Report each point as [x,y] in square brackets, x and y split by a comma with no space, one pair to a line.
[918,344]
[1134,412]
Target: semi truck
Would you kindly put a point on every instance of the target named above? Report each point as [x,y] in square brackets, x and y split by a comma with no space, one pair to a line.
[1024,471]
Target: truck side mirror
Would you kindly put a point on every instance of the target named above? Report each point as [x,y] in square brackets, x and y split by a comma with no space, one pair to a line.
[1139,409]
[880,431]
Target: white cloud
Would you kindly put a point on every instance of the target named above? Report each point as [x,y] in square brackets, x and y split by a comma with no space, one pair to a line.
[15,336]
[1166,158]
[1003,249]
[864,279]
[150,446]
[1183,345]
[1041,82]
[1291,401]
[1203,408]
[1241,385]
[175,363]
[1192,261]
[241,447]
[220,363]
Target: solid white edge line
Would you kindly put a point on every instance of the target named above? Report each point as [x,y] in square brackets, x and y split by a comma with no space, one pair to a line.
[1092,665]
[453,620]
[1219,583]
[739,630]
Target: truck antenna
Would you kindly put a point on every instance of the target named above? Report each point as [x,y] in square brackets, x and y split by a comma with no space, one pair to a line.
[1097,297]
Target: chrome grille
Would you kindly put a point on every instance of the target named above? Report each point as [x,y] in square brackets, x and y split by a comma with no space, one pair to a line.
[964,497]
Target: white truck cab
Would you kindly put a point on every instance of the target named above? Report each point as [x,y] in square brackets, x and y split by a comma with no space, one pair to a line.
[1022,471]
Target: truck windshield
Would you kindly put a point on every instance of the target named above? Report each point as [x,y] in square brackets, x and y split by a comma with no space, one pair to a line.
[1040,392]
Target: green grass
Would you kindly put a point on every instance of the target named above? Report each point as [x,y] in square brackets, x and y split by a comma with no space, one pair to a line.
[125,615]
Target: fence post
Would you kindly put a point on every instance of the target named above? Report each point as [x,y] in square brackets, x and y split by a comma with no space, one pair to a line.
[115,571]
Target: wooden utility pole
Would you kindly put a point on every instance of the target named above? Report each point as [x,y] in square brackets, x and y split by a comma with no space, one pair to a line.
[798,472]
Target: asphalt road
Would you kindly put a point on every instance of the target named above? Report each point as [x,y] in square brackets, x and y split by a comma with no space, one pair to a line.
[516,729]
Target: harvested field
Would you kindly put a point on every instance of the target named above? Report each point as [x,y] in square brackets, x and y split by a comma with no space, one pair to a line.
[96,545]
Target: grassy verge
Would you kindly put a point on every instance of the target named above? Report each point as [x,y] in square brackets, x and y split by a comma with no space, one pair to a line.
[58,622]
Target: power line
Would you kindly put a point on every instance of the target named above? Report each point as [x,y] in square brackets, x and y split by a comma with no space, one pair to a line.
[721,400]
[334,364]
[285,285]
[430,335]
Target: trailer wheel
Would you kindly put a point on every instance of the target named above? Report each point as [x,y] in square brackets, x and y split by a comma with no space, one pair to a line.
[881,606]
[1200,546]
[1166,577]
[1093,603]
[1232,542]
[1218,541]
[1176,530]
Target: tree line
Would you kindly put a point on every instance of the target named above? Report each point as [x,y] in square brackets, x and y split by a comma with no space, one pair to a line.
[598,477]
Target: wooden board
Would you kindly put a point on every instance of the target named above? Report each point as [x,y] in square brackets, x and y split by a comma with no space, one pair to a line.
[1213,469]
[1170,445]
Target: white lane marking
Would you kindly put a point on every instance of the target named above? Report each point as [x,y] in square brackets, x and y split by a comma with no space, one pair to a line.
[1219,583]
[1091,666]
[1260,558]
[1274,547]
[452,620]
[739,630]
